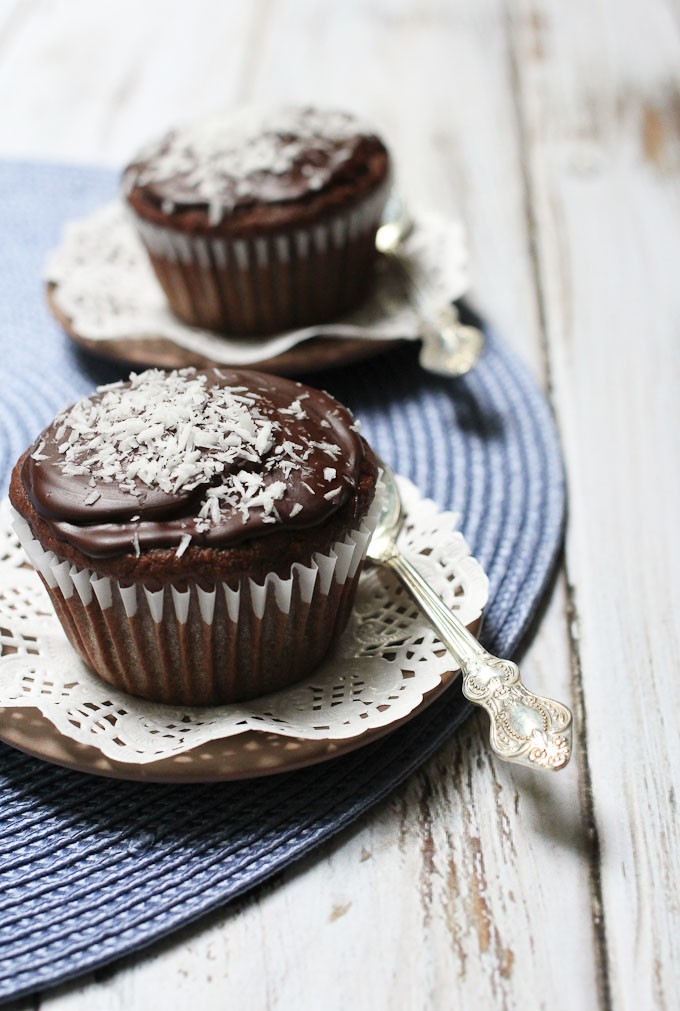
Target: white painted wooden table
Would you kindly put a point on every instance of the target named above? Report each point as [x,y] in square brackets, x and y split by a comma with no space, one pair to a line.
[554,129]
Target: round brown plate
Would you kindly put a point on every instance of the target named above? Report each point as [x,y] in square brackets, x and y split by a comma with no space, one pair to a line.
[243,756]
[313,355]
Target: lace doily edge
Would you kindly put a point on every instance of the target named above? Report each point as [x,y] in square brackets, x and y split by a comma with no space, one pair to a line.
[464,560]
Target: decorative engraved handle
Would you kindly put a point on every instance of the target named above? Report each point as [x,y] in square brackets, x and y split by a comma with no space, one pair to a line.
[448,347]
[525,728]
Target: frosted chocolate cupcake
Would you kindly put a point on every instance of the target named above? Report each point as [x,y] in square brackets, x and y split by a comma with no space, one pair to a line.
[200,533]
[261,220]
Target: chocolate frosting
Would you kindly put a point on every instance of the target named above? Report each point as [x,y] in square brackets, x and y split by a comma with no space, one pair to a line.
[256,156]
[280,455]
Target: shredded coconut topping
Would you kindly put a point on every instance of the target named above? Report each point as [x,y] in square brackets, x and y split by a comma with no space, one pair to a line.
[224,157]
[176,432]
[172,432]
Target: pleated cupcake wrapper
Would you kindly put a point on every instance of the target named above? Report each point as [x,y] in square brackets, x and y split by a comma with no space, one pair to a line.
[267,284]
[206,252]
[339,565]
[201,646]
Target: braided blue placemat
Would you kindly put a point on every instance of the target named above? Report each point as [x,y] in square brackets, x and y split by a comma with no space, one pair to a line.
[91,869]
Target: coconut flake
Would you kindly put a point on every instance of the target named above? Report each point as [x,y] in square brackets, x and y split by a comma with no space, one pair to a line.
[229,158]
[185,541]
[38,453]
[179,431]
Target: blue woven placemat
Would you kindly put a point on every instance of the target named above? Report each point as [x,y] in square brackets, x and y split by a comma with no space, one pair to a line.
[91,869]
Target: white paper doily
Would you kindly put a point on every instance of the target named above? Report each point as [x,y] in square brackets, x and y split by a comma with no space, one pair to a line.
[106,288]
[386,661]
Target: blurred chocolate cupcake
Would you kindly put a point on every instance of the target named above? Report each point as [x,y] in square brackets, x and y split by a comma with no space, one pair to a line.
[200,533]
[262,220]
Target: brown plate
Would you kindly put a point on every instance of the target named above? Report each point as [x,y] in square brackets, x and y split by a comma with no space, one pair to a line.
[313,355]
[243,756]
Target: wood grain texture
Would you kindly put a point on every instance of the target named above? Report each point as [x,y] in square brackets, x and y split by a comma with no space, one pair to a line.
[600,96]
[554,129]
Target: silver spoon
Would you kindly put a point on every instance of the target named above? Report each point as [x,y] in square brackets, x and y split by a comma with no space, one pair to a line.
[525,728]
[449,348]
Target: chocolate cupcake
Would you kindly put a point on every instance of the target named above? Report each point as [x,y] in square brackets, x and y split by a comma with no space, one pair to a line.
[262,220]
[200,533]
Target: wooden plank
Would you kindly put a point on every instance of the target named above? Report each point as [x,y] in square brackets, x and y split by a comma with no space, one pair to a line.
[446,894]
[440,898]
[601,92]
[91,82]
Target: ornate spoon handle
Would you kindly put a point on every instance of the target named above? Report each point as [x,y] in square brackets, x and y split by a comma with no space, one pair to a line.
[448,347]
[525,728]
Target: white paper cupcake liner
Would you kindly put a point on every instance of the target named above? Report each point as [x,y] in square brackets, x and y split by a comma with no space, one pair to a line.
[266,284]
[101,280]
[376,675]
[195,645]
[204,252]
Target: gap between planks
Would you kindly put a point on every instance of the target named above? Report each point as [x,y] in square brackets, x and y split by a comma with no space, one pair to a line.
[587,802]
